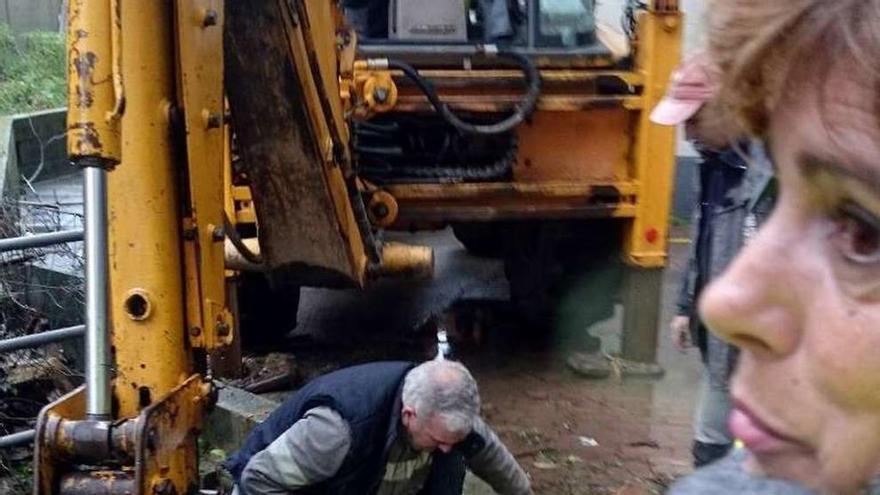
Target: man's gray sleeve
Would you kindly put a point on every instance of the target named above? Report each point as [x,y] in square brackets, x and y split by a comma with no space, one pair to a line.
[310,451]
[495,465]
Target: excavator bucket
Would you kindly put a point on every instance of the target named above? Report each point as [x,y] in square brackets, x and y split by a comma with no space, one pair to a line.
[282,84]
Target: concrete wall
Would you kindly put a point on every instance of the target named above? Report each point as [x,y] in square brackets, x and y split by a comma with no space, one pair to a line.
[40,138]
[25,141]
[8,158]
[29,142]
[31,15]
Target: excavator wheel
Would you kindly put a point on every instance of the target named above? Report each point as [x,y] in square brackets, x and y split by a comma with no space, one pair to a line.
[485,240]
[268,310]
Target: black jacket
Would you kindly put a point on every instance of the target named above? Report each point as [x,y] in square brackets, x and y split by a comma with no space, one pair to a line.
[732,186]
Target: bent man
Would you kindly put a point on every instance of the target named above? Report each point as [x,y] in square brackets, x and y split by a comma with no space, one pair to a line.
[380,428]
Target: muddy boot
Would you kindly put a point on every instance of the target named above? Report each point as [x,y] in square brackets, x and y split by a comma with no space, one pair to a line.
[636,369]
[707,453]
[589,365]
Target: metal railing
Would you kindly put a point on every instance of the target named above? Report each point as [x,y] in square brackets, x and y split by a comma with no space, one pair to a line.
[17,439]
[40,240]
[40,339]
[35,241]
[26,437]
[29,341]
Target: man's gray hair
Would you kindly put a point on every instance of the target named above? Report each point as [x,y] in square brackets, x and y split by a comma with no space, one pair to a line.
[446,389]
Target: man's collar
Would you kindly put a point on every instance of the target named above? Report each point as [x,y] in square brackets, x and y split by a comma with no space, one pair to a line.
[395,424]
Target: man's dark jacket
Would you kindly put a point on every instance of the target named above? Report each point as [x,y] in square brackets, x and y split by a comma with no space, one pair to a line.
[368,397]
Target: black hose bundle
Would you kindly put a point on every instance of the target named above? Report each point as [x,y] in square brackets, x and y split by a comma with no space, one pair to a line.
[498,169]
[521,111]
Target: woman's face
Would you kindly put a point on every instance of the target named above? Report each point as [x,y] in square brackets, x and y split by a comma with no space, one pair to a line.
[803,298]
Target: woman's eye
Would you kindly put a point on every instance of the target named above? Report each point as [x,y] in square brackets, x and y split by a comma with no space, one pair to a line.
[857,235]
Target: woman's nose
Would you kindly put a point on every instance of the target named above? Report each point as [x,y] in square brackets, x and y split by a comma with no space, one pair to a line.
[754,304]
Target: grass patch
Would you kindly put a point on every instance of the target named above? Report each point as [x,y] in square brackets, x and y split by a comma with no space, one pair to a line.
[677,221]
[32,71]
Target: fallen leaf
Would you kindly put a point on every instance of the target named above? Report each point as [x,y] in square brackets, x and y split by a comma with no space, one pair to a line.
[645,443]
[588,442]
[545,465]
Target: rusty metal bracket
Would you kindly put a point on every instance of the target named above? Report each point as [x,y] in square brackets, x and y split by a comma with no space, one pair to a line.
[369,91]
[200,34]
[65,441]
[97,483]
[156,440]
[47,464]
[165,429]
[382,209]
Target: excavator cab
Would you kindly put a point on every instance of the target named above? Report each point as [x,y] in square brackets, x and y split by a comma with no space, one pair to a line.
[566,24]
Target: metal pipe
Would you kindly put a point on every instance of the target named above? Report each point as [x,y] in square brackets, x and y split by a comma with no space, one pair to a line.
[404,260]
[39,240]
[17,439]
[42,338]
[235,260]
[93,442]
[456,53]
[97,336]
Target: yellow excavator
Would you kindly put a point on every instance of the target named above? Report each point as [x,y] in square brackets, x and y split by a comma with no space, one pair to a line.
[227,142]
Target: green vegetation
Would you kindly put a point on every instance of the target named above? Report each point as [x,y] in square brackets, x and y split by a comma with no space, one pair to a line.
[32,71]
[677,221]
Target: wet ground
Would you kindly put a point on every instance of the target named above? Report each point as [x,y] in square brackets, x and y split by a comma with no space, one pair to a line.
[572,435]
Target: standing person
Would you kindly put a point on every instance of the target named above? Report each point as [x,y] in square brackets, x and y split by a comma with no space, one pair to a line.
[717,234]
[802,300]
[387,428]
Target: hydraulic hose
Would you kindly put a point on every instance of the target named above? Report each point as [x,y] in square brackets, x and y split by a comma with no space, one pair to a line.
[522,110]
[498,169]
[239,244]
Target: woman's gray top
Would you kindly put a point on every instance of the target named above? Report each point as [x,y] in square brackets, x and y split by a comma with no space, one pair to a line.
[728,477]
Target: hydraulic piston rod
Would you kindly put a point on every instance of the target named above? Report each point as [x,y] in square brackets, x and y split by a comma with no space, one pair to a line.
[93,143]
[98,362]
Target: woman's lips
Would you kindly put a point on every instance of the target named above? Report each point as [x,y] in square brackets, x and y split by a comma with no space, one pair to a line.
[756,435]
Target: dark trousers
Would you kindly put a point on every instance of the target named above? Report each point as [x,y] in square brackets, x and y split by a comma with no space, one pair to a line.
[707,453]
[446,476]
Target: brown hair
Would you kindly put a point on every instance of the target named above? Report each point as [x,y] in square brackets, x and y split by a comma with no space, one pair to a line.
[767,49]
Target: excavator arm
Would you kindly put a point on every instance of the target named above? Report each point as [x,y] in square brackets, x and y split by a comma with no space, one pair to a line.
[149,125]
